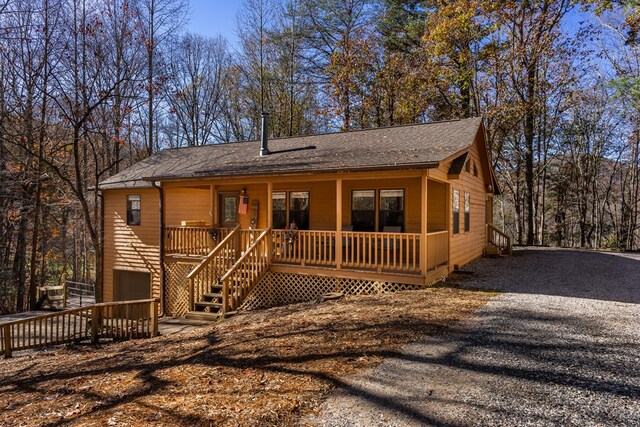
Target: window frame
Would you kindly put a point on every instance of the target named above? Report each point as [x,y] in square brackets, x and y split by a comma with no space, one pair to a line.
[455,202]
[467,211]
[130,210]
[380,225]
[288,208]
[375,208]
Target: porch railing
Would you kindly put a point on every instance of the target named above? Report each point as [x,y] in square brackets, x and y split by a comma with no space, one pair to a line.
[193,240]
[116,320]
[397,252]
[246,272]
[437,249]
[304,247]
[499,239]
[214,266]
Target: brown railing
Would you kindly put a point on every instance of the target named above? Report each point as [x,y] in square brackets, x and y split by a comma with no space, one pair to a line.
[437,249]
[214,266]
[246,272]
[304,247]
[398,252]
[499,239]
[193,240]
[116,320]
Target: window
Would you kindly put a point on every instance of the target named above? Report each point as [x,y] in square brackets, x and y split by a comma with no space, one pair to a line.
[133,210]
[467,209]
[391,209]
[228,209]
[456,211]
[279,210]
[363,210]
[299,209]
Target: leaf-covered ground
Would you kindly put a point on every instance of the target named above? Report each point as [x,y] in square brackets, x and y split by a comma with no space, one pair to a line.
[266,367]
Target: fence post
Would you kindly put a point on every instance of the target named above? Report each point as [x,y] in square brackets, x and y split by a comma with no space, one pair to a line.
[154,317]
[95,319]
[7,341]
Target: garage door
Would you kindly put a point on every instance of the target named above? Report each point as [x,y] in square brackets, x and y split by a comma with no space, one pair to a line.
[131,285]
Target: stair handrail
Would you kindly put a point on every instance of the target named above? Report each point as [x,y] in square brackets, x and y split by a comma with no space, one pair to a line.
[503,241]
[211,256]
[256,271]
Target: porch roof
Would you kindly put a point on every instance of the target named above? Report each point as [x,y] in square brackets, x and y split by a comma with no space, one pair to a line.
[397,147]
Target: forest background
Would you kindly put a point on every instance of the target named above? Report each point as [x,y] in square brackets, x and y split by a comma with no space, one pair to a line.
[90,87]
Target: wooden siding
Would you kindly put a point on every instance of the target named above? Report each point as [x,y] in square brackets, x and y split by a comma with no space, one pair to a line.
[467,246]
[436,206]
[186,204]
[131,248]
[412,197]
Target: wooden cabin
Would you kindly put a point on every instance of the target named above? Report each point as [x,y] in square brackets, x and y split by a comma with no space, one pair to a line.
[215,228]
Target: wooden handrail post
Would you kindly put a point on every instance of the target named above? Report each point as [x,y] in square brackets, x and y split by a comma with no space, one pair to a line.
[191,291]
[225,296]
[95,319]
[7,341]
[154,318]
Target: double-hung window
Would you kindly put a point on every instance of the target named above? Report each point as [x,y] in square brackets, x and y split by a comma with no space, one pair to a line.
[391,209]
[133,209]
[467,210]
[456,211]
[363,210]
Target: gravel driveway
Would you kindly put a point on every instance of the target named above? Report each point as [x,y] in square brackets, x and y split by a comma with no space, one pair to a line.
[561,346]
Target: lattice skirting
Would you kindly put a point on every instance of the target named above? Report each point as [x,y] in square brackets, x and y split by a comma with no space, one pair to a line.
[278,288]
[177,287]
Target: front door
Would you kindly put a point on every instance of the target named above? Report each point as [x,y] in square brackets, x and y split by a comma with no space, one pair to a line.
[228,209]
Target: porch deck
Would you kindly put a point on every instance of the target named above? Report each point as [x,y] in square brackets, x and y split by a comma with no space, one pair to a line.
[371,252]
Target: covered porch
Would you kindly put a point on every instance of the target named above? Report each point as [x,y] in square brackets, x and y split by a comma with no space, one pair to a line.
[392,225]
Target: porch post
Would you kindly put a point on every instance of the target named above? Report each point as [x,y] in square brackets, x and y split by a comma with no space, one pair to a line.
[423,226]
[269,204]
[338,242]
[269,220]
[212,220]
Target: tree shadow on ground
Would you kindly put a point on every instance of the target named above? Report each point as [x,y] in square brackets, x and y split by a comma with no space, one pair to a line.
[605,276]
[563,363]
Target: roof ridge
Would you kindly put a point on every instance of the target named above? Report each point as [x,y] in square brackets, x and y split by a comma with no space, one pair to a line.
[283,138]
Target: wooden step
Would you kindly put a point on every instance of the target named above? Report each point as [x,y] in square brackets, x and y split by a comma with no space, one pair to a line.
[201,315]
[205,304]
[211,296]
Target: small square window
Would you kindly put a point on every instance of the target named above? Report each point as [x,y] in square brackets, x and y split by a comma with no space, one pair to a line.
[133,210]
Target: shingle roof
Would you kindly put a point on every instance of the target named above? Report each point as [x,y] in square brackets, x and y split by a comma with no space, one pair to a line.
[420,145]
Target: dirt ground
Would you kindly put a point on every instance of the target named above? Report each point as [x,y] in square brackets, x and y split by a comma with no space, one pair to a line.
[267,367]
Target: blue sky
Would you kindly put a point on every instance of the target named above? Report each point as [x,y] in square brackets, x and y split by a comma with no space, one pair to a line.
[214,17]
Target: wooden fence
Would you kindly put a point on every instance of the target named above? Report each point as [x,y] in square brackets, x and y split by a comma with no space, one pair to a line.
[114,320]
